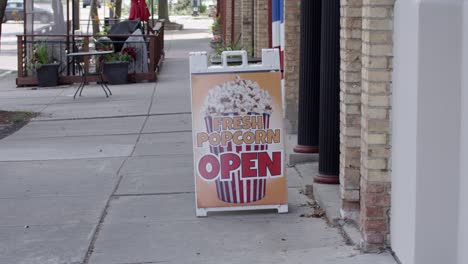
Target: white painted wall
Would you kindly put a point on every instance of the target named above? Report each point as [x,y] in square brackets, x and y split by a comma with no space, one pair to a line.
[463,205]
[404,118]
[428,158]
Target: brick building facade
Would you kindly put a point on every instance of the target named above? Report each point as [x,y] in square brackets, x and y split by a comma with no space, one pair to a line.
[292,31]
[377,51]
[365,89]
[240,20]
[366,75]
[262,31]
[350,107]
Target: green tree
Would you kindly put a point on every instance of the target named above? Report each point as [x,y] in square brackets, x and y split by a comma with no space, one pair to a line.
[163,10]
[95,16]
[118,8]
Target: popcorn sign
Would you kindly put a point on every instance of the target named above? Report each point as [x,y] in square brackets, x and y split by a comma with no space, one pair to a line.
[239,160]
[238,141]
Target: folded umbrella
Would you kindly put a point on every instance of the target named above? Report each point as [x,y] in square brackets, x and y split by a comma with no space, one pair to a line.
[134,10]
[144,12]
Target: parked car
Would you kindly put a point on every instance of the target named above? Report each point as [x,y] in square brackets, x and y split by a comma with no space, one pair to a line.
[15,11]
[88,3]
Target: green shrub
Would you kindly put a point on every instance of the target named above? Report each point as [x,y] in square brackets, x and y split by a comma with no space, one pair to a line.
[41,54]
[126,55]
[236,45]
[202,9]
[216,26]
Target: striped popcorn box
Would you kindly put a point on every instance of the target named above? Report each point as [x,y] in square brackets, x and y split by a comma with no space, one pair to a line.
[238,190]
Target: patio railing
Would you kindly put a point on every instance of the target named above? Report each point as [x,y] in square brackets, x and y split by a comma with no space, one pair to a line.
[60,45]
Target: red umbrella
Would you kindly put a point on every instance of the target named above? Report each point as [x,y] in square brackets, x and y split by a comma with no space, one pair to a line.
[139,10]
[133,10]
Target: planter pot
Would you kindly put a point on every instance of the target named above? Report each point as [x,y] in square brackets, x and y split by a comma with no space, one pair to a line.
[116,72]
[47,75]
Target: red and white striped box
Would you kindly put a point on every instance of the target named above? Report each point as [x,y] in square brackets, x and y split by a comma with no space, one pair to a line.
[238,190]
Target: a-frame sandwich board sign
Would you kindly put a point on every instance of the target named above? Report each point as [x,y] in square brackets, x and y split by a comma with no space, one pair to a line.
[238,135]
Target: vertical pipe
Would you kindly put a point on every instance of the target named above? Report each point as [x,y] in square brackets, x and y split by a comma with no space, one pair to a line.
[152,13]
[20,58]
[329,94]
[26,20]
[25,17]
[86,48]
[153,57]
[69,26]
[309,78]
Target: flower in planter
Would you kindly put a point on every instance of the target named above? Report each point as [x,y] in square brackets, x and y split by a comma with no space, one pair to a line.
[216,38]
[130,51]
[126,55]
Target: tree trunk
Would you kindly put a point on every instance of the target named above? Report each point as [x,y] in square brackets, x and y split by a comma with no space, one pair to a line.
[118,8]
[2,13]
[163,11]
[59,20]
[95,16]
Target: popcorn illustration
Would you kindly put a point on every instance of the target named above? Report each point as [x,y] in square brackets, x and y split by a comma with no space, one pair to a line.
[238,98]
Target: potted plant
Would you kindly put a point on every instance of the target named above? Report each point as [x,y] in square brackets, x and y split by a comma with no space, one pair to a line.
[216,42]
[216,26]
[222,46]
[46,69]
[115,67]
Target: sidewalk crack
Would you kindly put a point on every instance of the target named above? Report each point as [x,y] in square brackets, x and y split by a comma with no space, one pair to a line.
[149,194]
[105,211]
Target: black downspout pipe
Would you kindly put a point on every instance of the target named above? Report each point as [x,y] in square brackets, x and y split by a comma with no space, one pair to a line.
[330,94]
[309,78]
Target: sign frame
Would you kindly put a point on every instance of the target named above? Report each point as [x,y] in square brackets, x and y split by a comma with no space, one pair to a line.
[270,63]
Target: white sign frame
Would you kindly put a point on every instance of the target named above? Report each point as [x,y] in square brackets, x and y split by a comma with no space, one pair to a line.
[199,64]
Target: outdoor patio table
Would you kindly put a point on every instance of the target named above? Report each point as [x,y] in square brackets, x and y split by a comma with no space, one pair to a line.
[81,67]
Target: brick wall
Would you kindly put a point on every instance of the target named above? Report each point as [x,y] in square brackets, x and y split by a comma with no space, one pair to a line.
[366,72]
[247,25]
[377,46]
[350,107]
[261,27]
[292,28]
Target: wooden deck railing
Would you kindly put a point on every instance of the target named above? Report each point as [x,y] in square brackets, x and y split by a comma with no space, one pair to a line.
[66,44]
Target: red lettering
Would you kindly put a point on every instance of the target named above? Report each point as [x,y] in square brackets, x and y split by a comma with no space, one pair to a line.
[229,162]
[252,165]
[203,167]
[273,165]
[248,164]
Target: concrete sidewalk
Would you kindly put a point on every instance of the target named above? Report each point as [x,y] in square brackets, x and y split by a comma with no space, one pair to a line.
[110,181]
